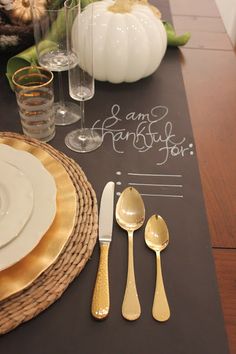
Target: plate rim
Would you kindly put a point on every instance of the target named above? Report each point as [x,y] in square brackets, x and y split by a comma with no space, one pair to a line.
[25,194]
[24,272]
[44,208]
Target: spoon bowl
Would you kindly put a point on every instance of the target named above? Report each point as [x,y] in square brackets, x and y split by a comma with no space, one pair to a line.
[130,210]
[130,215]
[157,238]
[156,233]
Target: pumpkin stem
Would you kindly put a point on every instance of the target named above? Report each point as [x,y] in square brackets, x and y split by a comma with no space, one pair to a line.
[123,6]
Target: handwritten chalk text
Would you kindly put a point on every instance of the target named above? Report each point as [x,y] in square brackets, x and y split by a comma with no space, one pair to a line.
[150,130]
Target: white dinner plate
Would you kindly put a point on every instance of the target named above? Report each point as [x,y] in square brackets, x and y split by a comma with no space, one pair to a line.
[16,202]
[44,206]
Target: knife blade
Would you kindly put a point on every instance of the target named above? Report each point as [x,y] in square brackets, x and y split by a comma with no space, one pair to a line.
[101,295]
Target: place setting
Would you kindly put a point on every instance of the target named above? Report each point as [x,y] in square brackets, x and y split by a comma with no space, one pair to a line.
[38,235]
[101,201]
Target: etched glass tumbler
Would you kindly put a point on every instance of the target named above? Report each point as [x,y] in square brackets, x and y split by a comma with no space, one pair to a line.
[34,94]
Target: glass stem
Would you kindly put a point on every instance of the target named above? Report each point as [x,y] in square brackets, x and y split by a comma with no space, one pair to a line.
[61,90]
[82,114]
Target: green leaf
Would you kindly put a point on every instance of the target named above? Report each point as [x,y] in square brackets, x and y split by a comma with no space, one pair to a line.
[172,38]
[26,58]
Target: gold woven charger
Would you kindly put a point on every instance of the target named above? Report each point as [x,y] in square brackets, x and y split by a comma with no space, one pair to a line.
[51,284]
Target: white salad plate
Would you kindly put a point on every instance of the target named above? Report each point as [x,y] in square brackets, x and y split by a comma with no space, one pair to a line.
[16,202]
[44,205]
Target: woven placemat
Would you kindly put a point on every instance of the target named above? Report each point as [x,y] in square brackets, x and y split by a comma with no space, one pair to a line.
[51,284]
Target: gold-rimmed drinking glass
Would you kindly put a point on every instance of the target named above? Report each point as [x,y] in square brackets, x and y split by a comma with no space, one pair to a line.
[33,87]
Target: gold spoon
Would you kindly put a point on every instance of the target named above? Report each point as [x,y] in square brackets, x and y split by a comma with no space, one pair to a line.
[157,238]
[130,215]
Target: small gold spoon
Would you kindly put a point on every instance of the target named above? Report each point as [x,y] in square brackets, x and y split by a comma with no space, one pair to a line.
[157,238]
[130,215]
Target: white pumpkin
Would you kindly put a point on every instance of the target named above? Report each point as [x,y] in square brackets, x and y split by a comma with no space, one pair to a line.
[129,39]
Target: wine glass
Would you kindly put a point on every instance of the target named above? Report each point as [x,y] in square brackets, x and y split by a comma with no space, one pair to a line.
[50,40]
[79,24]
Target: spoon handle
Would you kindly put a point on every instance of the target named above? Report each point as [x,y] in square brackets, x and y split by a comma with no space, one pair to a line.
[131,309]
[160,309]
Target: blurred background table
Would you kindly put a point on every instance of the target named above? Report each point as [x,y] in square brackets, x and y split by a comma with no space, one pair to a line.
[209,71]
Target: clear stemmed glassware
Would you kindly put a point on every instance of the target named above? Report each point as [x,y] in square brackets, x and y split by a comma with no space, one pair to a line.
[79,24]
[50,40]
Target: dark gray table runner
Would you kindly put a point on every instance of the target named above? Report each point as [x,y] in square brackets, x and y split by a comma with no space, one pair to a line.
[148,143]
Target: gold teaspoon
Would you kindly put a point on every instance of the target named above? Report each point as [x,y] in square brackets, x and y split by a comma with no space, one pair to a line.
[157,238]
[130,215]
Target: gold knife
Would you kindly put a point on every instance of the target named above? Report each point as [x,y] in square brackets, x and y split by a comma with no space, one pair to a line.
[101,295]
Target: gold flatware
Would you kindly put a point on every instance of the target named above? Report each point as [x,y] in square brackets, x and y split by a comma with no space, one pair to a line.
[101,295]
[130,215]
[157,238]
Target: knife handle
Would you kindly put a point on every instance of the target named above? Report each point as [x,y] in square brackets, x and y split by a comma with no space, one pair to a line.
[101,297]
